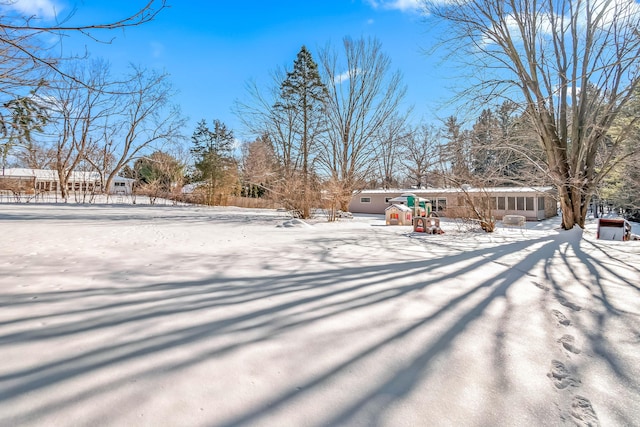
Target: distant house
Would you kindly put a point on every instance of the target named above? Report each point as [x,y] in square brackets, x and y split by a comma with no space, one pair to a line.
[534,203]
[38,181]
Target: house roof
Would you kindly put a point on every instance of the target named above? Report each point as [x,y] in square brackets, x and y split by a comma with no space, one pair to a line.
[403,199]
[435,191]
[52,175]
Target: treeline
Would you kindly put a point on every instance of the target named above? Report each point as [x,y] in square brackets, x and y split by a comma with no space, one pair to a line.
[553,105]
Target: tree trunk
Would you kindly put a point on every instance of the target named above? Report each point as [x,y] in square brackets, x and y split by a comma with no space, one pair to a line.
[573,206]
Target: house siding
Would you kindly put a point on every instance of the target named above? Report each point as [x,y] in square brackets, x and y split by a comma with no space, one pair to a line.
[451,202]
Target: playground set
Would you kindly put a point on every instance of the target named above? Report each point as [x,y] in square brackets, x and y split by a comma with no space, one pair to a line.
[417,212]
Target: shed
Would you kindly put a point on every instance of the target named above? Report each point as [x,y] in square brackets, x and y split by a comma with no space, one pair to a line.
[398,215]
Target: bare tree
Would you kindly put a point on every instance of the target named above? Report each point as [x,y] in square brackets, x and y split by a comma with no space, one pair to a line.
[456,156]
[25,48]
[421,154]
[572,65]
[147,120]
[259,167]
[280,127]
[77,110]
[276,126]
[363,97]
[390,138]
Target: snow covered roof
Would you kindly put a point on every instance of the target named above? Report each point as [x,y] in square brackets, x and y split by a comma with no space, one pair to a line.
[43,174]
[52,175]
[403,199]
[403,208]
[455,190]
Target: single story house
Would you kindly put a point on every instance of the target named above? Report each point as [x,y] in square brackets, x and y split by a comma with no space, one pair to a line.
[534,203]
[37,181]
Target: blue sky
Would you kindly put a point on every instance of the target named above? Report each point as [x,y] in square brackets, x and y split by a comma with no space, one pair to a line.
[212,48]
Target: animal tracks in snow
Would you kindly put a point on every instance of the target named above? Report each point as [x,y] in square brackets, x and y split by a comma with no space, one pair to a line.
[583,413]
[562,300]
[580,409]
[561,318]
[568,342]
[561,376]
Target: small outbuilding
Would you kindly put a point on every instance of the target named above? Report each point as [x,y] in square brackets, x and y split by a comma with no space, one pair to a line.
[398,215]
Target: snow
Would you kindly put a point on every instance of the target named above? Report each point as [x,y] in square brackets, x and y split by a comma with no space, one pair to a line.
[176,315]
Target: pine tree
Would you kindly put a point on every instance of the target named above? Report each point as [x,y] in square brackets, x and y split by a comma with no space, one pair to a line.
[215,165]
[303,92]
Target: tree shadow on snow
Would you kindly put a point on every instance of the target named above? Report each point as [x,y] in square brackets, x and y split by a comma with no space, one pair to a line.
[226,313]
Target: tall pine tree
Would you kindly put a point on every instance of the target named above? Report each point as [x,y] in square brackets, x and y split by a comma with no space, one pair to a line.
[303,93]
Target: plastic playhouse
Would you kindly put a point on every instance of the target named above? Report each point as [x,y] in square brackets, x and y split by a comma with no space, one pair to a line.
[398,215]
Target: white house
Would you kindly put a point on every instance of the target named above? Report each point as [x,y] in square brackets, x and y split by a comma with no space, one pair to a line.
[38,181]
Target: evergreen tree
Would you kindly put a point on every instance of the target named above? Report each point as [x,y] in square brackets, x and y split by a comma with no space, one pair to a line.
[26,116]
[303,93]
[215,165]
[457,150]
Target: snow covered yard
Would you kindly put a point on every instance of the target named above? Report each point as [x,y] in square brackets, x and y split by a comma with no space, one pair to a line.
[143,315]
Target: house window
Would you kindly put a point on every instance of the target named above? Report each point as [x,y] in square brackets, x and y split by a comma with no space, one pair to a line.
[540,203]
[511,203]
[118,184]
[520,203]
[501,203]
[394,215]
[365,199]
[529,203]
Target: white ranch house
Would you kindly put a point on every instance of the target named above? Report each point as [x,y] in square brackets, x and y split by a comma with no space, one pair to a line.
[534,203]
[38,181]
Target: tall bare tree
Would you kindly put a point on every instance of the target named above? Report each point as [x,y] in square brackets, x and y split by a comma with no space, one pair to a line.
[421,154]
[364,96]
[390,140]
[571,64]
[147,121]
[77,110]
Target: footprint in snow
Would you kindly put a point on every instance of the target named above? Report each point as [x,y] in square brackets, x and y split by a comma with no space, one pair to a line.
[561,318]
[568,342]
[583,413]
[569,304]
[561,376]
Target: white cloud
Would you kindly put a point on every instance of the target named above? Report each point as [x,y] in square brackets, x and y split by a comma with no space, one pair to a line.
[43,9]
[402,5]
[346,76]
